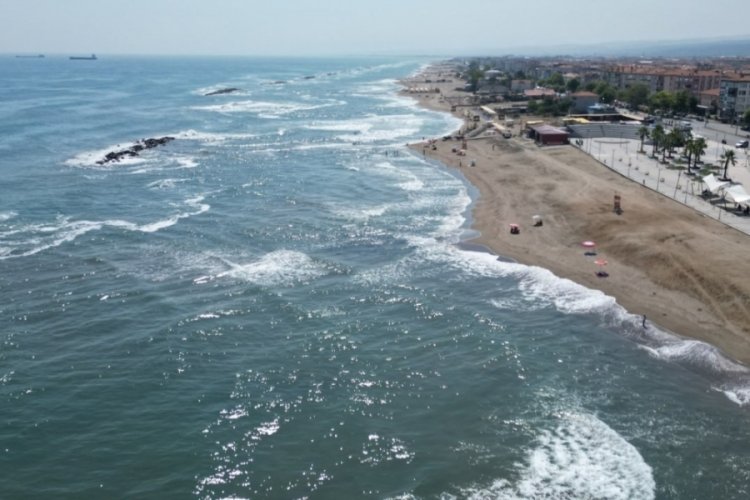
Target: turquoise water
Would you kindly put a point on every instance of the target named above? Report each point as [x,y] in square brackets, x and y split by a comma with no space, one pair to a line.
[277,304]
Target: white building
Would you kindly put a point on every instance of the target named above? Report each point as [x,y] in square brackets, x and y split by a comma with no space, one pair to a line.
[734,97]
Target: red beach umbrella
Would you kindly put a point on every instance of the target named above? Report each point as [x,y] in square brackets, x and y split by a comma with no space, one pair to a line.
[600,262]
[588,244]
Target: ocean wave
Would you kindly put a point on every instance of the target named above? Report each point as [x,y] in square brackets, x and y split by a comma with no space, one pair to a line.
[373,128]
[582,458]
[277,268]
[266,108]
[33,238]
[211,137]
[5,216]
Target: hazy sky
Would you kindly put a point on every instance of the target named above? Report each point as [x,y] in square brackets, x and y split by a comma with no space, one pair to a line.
[353,27]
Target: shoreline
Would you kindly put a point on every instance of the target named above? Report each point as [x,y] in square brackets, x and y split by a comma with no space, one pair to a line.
[666,261]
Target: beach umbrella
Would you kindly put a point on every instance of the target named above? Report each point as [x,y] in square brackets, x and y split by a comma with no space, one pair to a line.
[590,247]
[600,262]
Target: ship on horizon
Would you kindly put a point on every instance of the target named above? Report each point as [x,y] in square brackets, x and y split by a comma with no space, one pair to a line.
[25,56]
[92,57]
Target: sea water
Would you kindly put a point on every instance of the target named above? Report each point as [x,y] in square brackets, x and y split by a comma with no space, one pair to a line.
[278,304]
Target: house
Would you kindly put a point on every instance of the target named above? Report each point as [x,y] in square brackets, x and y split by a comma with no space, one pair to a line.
[539,93]
[519,86]
[547,135]
[581,101]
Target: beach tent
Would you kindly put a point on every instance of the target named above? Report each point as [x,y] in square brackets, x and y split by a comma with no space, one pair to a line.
[714,184]
[737,194]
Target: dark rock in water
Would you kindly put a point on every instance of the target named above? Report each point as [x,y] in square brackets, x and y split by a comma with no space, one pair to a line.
[227,90]
[309,77]
[279,82]
[115,156]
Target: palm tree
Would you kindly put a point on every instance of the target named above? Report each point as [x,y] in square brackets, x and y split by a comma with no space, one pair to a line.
[644,134]
[667,143]
[729,157]
[689,151]
[657,136]
[699,147]
[676,139]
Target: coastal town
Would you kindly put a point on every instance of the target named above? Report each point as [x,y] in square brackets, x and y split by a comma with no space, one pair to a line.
[647,161]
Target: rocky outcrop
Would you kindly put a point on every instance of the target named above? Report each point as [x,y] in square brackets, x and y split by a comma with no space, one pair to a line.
[134,150]
[227,90]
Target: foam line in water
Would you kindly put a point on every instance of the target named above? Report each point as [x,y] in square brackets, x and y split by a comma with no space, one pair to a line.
[582,458]
[31,239]
[277,268]
[265,108]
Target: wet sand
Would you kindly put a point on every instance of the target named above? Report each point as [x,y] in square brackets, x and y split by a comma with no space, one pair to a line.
[685,272]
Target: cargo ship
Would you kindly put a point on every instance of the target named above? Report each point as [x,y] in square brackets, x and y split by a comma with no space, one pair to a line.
[92,57]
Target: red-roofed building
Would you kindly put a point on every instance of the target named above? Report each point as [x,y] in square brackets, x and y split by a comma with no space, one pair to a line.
[547,135]
[539,93]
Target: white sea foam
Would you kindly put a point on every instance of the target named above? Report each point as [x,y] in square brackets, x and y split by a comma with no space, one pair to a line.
[31,239]
[373,128]
[211,137]
[90,158]
[278,268]
[4,216]
[697,353]
[265,108]
[582,458]
[165,183]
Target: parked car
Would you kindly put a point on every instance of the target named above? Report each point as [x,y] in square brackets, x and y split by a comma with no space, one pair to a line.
[742,144]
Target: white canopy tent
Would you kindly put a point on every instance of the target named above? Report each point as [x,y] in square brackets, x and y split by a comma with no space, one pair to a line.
[737,194]
[714,184]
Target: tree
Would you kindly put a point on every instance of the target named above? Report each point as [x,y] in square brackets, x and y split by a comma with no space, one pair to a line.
[606,92]
[644,134]
[661,100]
[636,95]
[657,136]
[728,157]
[746,118]
[555,80]
[573,85]
[699,148]
[689,151]
[674,139]
[474,74]
[681,102]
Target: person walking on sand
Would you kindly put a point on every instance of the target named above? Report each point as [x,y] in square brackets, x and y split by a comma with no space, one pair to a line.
[644,321]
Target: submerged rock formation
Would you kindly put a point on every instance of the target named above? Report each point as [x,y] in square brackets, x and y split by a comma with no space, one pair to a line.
[115,156]
[227,90]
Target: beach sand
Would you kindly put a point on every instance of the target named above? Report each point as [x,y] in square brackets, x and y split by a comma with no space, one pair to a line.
[686,272]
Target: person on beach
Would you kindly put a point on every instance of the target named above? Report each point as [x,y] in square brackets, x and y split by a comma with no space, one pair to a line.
[644,321]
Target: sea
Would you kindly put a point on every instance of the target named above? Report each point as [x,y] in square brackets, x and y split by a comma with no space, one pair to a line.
[284,302]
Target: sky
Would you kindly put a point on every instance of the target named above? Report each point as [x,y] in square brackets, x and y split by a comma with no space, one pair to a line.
[353,27]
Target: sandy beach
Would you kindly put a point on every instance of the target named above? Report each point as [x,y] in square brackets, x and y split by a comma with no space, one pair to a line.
[684,271]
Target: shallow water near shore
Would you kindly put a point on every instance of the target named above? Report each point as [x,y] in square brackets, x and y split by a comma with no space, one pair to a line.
[278,304]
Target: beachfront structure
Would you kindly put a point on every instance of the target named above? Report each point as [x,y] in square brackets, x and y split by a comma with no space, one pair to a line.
[581,101]
[547,135]
[539,93]
[734,97]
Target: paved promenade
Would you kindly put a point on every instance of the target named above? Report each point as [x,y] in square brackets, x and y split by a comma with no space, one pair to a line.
[622,156]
